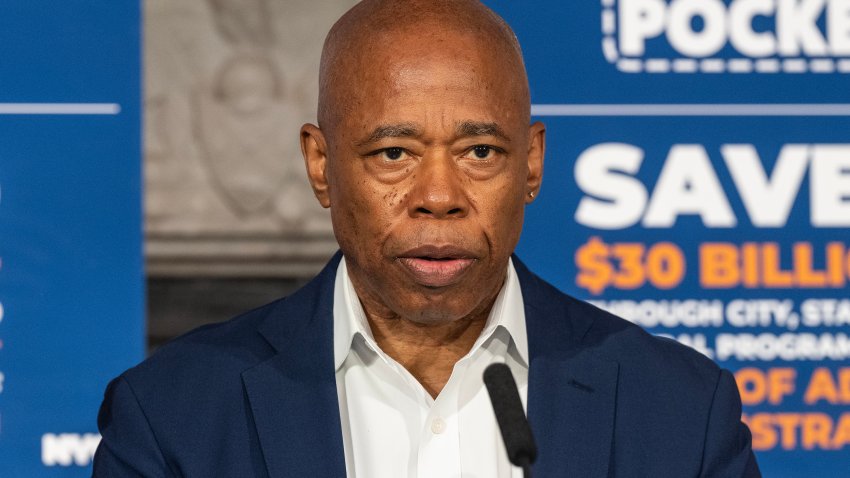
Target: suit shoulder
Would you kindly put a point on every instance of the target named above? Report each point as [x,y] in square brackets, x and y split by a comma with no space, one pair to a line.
[654,359]
[628,341]
[218,348]
[651,358]
[214,356]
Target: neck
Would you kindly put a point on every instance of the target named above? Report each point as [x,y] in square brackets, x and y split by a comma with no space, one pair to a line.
[428,352]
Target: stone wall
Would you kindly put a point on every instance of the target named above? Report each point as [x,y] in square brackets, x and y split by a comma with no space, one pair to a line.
[228,209]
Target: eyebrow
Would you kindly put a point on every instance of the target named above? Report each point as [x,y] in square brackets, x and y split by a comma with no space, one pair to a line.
[402,130]
[464,129]
[480,128]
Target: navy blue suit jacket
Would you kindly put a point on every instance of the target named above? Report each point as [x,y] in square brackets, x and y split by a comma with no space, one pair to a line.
[256,397]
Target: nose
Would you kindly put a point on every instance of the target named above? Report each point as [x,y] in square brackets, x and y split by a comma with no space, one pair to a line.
[438,190]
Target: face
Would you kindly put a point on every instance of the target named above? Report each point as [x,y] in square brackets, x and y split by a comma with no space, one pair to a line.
[427,168]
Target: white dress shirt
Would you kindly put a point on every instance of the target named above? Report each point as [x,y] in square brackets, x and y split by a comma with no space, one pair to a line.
[393,428]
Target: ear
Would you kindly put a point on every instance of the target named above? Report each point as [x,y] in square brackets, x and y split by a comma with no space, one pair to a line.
[315,151]
[536,152]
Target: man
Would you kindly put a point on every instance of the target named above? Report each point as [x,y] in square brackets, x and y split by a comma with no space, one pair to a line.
[426,159]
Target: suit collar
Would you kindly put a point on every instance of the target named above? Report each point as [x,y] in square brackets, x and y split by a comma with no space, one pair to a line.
[552,330]
[301,319]
[572,389]
[293,395]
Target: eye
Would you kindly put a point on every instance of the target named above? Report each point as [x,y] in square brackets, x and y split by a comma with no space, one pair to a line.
[482,152]
[392,154]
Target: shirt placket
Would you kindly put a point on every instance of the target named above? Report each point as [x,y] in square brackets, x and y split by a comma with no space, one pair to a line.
[439,450]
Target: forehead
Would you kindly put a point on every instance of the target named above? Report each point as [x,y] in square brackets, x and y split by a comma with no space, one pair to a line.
[416,78]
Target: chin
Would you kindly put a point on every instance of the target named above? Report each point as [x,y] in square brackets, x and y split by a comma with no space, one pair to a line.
[440,309]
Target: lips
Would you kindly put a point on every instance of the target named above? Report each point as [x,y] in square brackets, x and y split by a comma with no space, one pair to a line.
[436,266]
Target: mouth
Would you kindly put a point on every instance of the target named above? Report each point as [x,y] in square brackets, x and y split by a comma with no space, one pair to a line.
[436,266]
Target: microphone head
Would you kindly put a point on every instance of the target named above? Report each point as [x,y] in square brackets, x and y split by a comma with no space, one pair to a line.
[510,415]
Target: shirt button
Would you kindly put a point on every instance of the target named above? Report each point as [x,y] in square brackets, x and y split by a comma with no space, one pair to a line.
[438,426]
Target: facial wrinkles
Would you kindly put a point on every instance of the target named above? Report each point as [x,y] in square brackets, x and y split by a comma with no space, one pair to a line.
[428,95]
[419,69]
[436,111]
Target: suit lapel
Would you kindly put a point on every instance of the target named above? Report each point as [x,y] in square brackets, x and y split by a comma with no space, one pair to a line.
[293,394]
[572,390]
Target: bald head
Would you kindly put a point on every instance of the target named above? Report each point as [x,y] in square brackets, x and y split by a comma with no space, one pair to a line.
[424,155]
[389,34]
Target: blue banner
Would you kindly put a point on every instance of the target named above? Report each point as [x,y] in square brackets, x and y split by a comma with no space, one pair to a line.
[698,183]
[71,279]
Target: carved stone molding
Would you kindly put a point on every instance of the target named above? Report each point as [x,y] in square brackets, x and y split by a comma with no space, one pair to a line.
[228,83]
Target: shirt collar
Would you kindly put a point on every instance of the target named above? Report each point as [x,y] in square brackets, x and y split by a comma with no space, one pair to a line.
[508,312]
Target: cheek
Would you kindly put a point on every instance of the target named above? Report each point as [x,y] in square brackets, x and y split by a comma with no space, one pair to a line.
[363,212]
[502,213]
[392,201]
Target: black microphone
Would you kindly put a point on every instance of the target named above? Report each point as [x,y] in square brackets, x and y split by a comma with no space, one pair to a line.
[516,432]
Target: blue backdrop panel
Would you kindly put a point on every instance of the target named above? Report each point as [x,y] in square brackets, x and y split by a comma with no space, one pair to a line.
[71,280]
[697,182]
